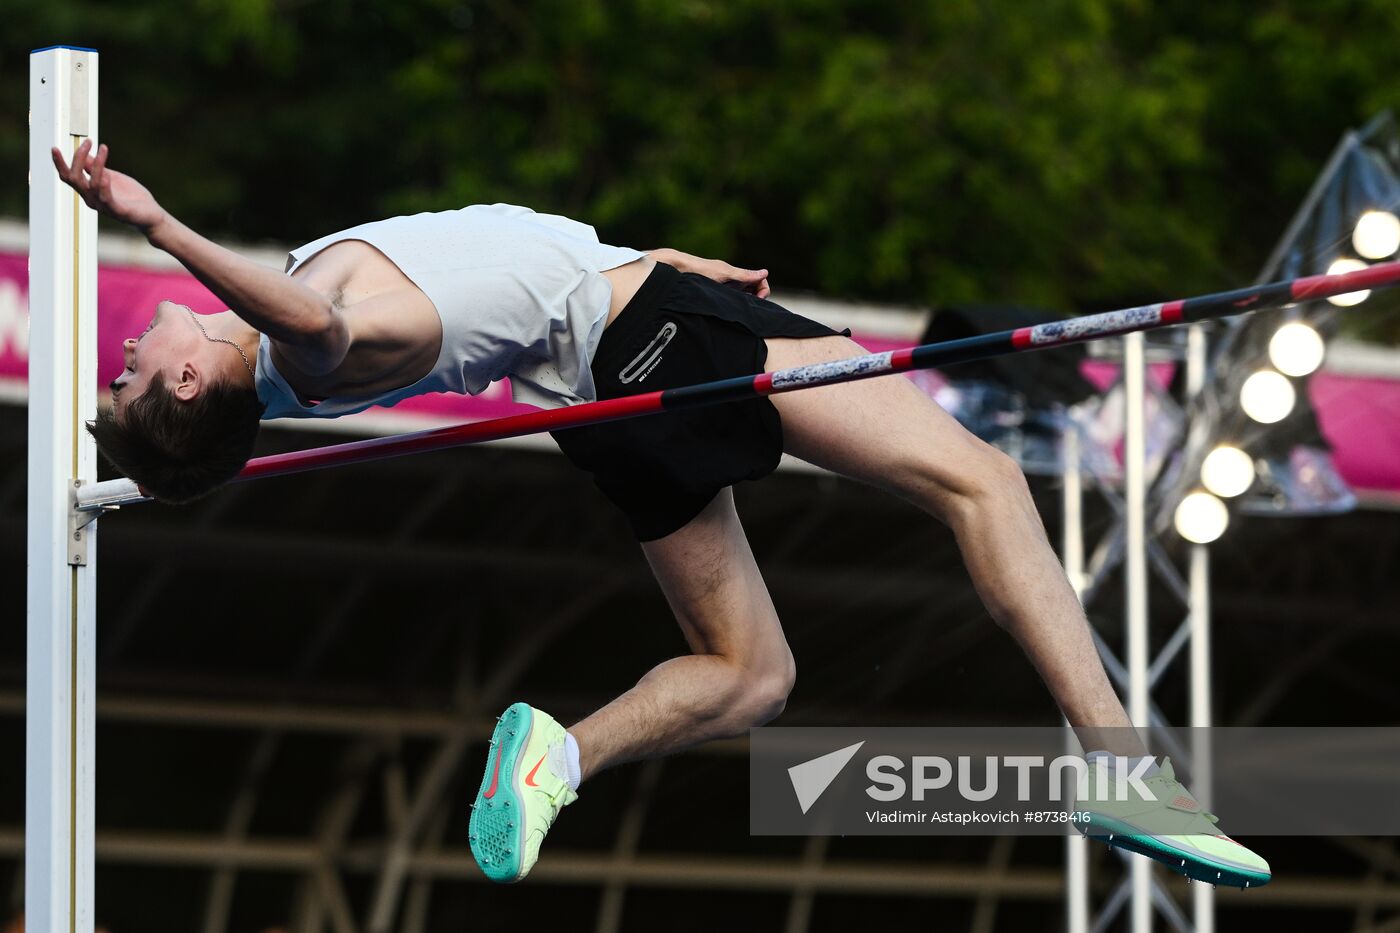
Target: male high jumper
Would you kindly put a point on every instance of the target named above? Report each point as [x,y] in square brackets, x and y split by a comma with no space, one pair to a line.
[453,301]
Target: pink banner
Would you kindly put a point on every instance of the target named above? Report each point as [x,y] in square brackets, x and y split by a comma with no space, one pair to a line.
[1360,416]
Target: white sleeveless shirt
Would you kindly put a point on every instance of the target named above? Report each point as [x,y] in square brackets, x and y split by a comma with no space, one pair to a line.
[520,294]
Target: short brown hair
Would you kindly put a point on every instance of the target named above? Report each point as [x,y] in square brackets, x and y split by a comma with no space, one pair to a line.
[179,451]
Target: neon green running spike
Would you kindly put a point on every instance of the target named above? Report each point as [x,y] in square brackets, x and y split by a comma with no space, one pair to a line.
[1173,829]
[521,794]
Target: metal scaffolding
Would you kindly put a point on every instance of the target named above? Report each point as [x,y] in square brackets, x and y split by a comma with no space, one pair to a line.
[1135,546]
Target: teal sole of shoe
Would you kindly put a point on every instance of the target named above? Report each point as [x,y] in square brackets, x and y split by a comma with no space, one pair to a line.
[496,830]
[1192,865]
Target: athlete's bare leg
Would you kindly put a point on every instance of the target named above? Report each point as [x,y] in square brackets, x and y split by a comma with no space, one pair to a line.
[740,670]
[888,433]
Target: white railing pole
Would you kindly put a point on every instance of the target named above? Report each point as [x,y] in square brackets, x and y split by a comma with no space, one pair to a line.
[1072,555]
[1202,895]
[1135,581]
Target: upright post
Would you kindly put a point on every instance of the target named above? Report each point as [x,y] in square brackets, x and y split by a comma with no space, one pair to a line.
[59,722]
[1202,895]
[1135,580]
[1072,555]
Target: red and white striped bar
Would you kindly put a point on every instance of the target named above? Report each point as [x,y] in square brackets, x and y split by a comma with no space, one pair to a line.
[1058,333]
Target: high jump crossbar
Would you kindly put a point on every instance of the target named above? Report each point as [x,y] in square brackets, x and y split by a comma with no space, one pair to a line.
[115,493]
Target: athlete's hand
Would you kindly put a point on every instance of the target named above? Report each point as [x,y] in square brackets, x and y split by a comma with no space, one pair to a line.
[753,281]
[106,190]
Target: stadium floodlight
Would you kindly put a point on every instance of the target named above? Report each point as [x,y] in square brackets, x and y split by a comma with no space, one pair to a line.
[1267,396]
[1296,349]
[1227,471]
[1201,518]
[1347,299]
[1377,234]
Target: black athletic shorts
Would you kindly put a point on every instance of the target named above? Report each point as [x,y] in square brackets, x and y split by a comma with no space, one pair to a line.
[682,329]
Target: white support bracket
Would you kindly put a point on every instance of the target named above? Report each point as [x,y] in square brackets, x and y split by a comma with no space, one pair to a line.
[80,517]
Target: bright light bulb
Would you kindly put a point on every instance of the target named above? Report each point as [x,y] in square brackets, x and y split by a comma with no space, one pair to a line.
[1227,471]
[1347,264]
[1377,234]
[1267,397]
[1201,518]
[1296,349]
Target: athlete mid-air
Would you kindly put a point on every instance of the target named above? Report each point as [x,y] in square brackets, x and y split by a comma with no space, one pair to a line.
[452,301]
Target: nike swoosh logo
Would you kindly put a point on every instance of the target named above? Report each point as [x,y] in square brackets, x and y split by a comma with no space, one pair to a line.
[495,773]
[530,778]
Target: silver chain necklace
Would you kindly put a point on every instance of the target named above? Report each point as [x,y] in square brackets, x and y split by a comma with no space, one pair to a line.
[195,318]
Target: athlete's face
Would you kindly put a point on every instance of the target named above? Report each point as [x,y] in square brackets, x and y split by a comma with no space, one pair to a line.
[171,338]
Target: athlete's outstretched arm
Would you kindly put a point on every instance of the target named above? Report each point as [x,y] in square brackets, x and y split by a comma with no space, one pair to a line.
[276,304]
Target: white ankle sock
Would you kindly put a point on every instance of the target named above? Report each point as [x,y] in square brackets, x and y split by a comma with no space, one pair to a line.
[575,775]
[1129,764]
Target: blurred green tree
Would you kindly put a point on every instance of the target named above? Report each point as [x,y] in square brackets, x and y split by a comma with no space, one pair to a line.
[1072,153]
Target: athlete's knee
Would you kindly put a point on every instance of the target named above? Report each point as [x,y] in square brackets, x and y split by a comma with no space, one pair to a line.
[1002,476]
[981,480]
[770,690]
[999,496]
[758,690]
